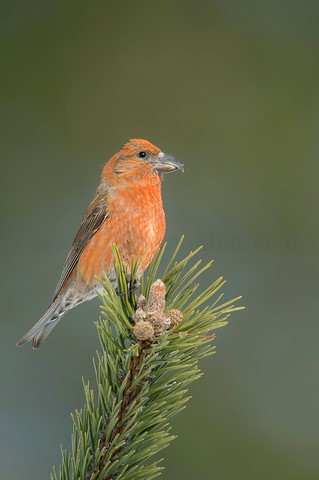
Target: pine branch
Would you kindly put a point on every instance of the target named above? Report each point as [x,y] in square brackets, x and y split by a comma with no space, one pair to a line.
[150,348]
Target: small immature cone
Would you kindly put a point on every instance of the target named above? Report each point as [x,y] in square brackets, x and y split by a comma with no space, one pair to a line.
[150,319]
[143,331]
[175,316]
[141,301]
[156,299]
[140,315]
[160,323]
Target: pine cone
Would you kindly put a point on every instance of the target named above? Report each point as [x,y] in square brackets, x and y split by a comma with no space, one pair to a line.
[160,323]
[143,330]
[175,316]
[156,299]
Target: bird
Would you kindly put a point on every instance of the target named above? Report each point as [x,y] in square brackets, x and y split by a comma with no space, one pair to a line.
[126,211]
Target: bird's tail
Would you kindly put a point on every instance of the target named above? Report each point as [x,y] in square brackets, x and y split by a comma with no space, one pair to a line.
[42,329]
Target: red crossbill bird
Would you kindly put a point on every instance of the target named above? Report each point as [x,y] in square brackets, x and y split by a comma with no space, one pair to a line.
[127,211]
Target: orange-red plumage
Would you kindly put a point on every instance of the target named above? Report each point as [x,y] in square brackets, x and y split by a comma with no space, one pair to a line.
[126,210]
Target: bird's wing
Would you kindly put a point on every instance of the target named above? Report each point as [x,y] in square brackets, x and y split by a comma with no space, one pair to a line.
[92,221]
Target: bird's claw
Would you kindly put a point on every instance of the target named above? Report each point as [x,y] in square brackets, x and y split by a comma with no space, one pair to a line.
[132,286]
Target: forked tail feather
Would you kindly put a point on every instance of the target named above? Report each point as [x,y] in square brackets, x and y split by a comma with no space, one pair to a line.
[41,330]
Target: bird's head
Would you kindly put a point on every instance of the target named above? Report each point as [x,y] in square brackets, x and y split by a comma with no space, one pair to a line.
[139,161]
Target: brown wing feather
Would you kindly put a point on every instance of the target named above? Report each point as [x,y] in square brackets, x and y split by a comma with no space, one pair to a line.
[93,219]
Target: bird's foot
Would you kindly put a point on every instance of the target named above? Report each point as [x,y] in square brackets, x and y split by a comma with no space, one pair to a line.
[135,285]
[132,287]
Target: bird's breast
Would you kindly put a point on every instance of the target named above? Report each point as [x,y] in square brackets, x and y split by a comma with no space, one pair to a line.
[136,224]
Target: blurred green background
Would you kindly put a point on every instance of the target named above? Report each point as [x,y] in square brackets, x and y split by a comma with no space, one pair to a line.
[232,90]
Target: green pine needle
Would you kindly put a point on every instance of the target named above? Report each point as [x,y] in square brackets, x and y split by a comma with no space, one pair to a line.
[142,384]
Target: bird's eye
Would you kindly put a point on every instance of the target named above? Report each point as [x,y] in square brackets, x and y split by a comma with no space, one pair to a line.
[142,154]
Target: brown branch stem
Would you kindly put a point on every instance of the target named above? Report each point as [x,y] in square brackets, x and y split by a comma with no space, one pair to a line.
[128,397]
